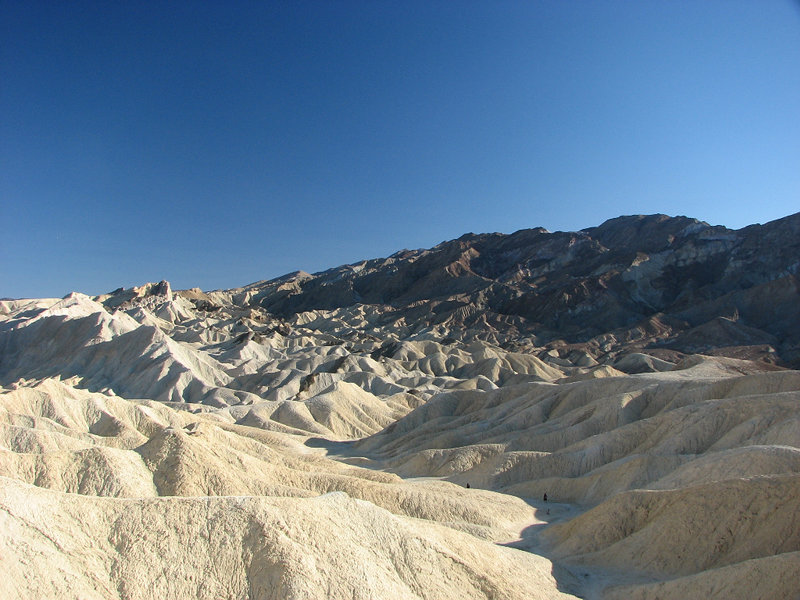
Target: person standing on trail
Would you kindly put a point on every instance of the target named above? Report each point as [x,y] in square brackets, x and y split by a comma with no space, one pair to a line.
[545,496]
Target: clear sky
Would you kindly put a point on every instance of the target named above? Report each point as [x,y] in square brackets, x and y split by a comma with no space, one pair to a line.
[217,144]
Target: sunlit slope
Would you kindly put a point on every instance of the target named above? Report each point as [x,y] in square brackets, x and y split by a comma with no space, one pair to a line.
[330,546]
[198,506]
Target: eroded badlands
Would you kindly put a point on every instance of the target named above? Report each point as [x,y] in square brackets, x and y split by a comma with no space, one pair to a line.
[298,439]
[154,449]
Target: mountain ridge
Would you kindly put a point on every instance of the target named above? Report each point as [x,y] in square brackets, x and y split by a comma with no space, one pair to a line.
[597,287]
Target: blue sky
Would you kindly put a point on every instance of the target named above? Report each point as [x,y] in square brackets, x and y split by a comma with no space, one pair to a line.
[216,144]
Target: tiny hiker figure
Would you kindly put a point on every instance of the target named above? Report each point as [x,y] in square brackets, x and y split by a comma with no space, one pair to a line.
[545,496]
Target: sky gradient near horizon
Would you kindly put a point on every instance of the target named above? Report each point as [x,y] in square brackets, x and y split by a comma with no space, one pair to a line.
[217,144]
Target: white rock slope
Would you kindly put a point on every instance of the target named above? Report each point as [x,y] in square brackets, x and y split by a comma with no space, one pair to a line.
[177,445]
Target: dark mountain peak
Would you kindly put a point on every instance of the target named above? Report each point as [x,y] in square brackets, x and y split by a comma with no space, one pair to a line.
[645,233]
[789,225]
[634,281]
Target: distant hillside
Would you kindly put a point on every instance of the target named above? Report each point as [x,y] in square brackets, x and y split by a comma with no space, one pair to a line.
[652,282]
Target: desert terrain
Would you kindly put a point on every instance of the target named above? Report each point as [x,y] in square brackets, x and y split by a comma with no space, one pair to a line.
[611,413]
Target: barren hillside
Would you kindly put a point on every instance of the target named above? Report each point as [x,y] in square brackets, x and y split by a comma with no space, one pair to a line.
[389,429]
